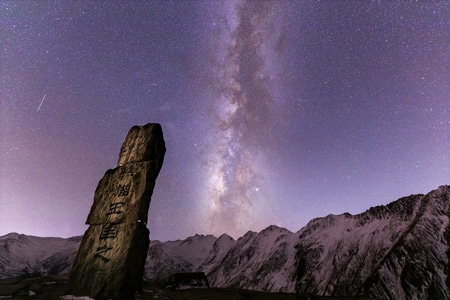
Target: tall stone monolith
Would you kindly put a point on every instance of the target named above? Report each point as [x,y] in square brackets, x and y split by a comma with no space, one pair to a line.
[111,258]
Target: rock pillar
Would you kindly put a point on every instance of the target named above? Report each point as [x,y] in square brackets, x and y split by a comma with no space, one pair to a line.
[111,258]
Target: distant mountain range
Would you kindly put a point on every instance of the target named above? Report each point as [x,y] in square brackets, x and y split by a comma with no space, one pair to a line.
[397,251]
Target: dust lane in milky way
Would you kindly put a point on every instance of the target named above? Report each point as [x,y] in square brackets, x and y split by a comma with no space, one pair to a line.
[273,112]
[244,113]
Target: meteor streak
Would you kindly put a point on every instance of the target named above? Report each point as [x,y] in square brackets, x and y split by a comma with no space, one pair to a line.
[42,101]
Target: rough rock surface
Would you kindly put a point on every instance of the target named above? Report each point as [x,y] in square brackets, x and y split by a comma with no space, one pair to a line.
[143,143]
[111,258]
[131,187]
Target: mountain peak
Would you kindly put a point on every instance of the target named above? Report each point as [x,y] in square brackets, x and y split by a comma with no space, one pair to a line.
[225,236]
[11,235]
[394,251]
[275,228]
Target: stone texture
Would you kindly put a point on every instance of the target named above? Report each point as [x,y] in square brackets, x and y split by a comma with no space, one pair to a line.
[123,194]
[111,258]
[110,266]
[143,143]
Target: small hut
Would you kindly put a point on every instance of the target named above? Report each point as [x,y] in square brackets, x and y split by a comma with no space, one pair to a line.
[187,281]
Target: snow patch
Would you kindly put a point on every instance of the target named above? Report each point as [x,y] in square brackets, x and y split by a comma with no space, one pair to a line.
[71,297]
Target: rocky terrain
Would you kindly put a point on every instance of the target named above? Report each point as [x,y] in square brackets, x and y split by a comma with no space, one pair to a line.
[51,288]
[397,251]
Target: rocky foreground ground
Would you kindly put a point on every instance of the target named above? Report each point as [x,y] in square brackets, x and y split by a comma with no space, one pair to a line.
[51,287]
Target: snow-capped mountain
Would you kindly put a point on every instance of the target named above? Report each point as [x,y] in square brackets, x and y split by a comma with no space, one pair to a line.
[397,251]
[23,255]
[259,261]
[165,259]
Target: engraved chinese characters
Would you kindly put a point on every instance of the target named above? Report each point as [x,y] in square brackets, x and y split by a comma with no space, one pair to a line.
[122,194]
[110,260]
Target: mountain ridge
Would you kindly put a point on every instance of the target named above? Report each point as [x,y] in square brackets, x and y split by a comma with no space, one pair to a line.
[395,251]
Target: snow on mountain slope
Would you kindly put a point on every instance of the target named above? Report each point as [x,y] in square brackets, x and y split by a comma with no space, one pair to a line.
[258,261]
[189,255]
[398,251]
[219,250]
[22,255]
[337,248]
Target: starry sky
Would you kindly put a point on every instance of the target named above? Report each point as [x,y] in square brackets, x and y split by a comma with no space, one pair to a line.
[273,112]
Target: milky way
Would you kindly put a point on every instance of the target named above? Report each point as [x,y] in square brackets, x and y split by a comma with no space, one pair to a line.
[242,125]
[273,112]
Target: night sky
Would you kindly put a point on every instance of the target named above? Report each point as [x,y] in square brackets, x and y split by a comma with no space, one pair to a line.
[273,112]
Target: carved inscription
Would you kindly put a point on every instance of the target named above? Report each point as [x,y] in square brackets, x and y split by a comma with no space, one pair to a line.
[122,190]
[109,231]
[110,261]
[115,208]
[100,251]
